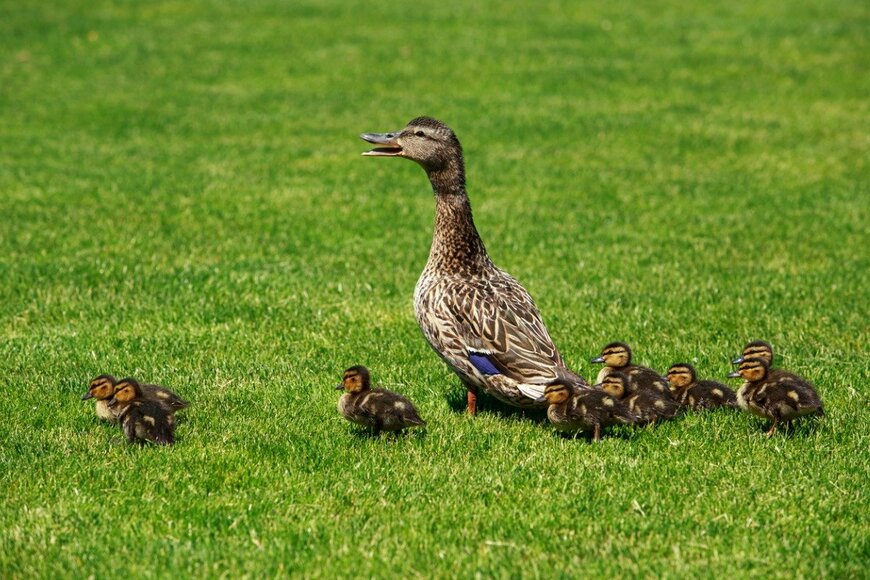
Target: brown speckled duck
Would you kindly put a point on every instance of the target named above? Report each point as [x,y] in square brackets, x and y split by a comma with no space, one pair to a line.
[775,395]
[142,419]
[478,318]
[649,405]
[616,356]
[574,409]
[691,393]
[377,409]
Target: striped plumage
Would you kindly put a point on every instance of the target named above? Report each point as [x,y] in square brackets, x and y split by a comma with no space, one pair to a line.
[143,419]
[616,356]
[103,387]
[691,393]
[574,409]
[650,405]
[775,395]
[478,318]
[375,408]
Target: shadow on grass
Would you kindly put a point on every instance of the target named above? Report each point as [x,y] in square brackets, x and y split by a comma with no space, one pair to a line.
[458,403]
[412,433]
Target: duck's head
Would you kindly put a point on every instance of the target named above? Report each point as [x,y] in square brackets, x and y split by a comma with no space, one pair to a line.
[615,385]
[425,140]
[756,349]
[557,393]
[615,354]
[680,375]
[751,370]
[354,380]
[100,388]
[125,391]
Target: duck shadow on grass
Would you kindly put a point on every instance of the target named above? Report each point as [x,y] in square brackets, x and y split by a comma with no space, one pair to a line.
[412,433]
[458,401]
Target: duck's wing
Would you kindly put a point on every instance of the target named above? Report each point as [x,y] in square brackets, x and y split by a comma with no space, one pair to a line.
[503,331]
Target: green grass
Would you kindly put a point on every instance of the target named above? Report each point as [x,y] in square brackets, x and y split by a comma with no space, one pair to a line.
[183,200]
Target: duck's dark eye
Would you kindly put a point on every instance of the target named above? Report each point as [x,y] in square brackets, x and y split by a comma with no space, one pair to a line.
[420,134]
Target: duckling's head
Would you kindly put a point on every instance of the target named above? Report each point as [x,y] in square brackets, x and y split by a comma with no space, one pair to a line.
[101,388]
[355,379]
[557,393]
[425,140]
[751,370]
[681,375]
[615,385]
[125,391]
[756,349]
[615,354]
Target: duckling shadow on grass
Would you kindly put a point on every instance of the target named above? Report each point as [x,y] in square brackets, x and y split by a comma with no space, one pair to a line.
[411,433]
[458,402]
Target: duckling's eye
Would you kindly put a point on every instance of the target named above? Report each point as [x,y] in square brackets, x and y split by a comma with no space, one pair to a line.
[420,134]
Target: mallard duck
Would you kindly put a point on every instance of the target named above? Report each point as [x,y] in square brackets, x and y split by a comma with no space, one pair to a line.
[143,419]
[775,395]
[689,392]
[378,409]
[478,319]
[102,388]
[650,405]
[616,356]
[572,409]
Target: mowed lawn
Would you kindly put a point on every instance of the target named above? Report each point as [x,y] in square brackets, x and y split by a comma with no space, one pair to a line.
[182,199]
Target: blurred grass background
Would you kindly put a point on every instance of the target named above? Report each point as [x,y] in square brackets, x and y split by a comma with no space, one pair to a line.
[183,200]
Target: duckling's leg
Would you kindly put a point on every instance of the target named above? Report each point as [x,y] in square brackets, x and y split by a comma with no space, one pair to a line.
[472,402]
[376,428]
[773,427]
[596,435]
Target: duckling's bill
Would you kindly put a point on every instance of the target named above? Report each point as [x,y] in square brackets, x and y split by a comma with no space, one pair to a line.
[389,144]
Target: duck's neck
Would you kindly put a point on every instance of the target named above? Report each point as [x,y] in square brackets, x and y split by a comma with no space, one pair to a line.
[456,245]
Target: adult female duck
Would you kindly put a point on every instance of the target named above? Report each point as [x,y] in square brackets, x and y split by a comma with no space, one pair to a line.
[478,318]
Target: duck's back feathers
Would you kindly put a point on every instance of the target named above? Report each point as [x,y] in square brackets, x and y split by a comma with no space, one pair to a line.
[165,396]
[707,395]
[148,420]
[379,409]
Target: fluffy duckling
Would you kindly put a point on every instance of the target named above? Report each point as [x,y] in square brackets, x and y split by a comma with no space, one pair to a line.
[616,356]
[142,418]
[689,392]
[648,404]
[378,409]
[102,388]
[775,395]
[573,409]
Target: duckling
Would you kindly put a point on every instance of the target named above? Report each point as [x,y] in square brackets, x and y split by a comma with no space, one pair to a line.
[102,388]
[775,395]
[648,404]
[142,418]
[163,395]
[378,409]
[617,357]
[689,392]
[572,409]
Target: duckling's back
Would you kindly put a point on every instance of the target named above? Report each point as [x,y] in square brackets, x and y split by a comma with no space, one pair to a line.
[165,396]
[380,409]
[707,395]
[651,406]
[787,396]
[148,420]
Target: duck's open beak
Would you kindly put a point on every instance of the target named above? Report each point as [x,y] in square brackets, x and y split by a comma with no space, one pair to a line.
[737,360]
[86,396]
[597,360]
[734,375]
[340,387]
[388,144]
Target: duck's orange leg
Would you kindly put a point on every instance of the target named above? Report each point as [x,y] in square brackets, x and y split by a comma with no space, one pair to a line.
[472,403]
[773,427]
